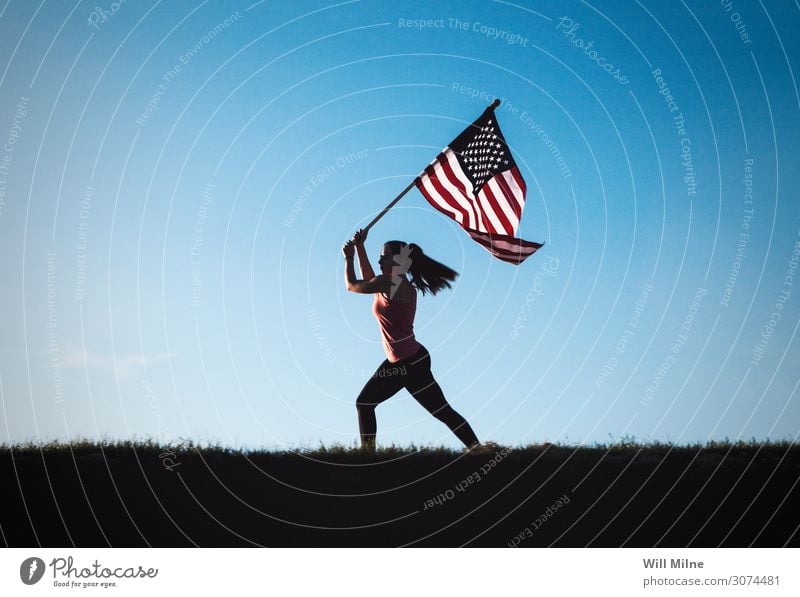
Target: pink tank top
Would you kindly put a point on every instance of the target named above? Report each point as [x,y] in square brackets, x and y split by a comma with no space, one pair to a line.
[396,321]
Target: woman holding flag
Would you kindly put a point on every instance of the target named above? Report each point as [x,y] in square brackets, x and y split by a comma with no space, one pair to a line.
[475,181]
[408,363]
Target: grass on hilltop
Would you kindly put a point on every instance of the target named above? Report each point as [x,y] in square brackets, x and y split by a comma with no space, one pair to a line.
[624,445]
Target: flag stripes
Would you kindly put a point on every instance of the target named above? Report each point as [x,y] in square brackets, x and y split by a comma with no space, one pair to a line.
[507,248]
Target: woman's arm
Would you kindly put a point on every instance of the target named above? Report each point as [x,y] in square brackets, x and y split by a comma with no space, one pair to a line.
[382,283]
[363,261]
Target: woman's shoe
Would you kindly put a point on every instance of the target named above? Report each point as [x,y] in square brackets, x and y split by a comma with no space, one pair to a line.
[479,448]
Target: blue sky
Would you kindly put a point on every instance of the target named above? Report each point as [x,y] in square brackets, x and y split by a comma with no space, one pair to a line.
[180,178]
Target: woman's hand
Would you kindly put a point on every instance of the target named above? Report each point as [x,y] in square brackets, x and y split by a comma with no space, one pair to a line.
[348,249]
[363,261]
[360,236]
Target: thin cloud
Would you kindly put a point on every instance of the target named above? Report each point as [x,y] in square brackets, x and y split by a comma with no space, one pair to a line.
[123,365]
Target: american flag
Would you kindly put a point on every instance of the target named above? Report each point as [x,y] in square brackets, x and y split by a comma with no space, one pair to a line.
[475,181]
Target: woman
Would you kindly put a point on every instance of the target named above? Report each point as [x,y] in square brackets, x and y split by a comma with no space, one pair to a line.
[408,363]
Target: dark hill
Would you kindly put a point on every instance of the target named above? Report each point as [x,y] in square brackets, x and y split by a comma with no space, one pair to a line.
[605,496]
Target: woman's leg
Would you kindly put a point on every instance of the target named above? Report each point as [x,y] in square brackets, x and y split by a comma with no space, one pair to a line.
[381,386]
[427,392]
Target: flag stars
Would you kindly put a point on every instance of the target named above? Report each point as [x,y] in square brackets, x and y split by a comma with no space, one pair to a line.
[484,154]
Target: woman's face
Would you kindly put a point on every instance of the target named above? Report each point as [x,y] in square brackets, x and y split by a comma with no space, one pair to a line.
[395,264]
[386,260]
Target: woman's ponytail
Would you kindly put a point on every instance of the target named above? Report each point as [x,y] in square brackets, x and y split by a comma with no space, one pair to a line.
[428,274]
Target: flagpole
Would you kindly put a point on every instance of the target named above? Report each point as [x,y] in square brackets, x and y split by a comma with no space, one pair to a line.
[388,207]
[493,105]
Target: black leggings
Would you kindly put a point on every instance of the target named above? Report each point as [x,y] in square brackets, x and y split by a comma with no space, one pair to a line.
[414,374]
